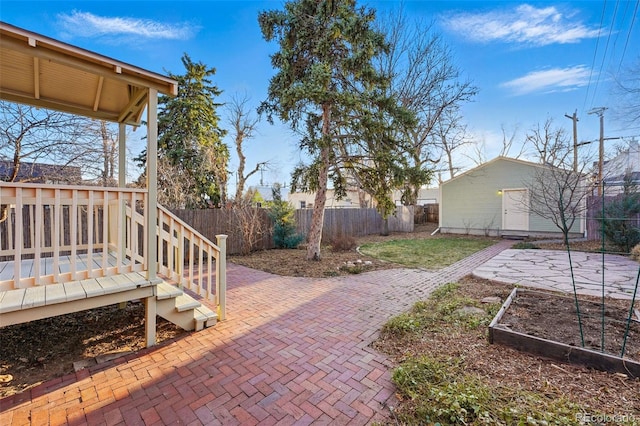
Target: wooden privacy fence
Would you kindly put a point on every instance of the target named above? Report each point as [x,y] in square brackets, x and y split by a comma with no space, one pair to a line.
[355,222]
[428,213]
[241,225]
[594,214]
[337,222]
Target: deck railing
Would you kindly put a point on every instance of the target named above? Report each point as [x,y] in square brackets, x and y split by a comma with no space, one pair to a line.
[192,261]
[56,234]
[78,227]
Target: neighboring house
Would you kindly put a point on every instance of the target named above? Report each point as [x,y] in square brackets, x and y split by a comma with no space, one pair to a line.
[358,199]
[493,199]
[41,173]
[354,199]
[266,193]
[425,196]
[75,247]
[626,162]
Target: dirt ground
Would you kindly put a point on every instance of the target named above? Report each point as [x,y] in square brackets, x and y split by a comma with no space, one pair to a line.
[597,391]
[292,262]
[41,350]
[554,317]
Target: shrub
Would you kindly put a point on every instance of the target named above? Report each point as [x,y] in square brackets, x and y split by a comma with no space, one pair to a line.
[523,245]
[284,227]
[343,243]
[618,223]
[635,253]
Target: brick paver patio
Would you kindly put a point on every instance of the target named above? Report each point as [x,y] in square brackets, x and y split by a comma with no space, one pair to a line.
[293,351]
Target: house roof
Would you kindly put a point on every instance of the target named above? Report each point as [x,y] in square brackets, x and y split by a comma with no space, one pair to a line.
[626,162]
[43,72]
[490,162]
[40,172]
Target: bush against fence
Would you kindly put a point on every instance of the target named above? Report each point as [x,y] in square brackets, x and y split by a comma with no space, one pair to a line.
[595,215]
[337,223]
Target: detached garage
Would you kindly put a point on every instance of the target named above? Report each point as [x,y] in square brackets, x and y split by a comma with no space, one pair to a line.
[494,200]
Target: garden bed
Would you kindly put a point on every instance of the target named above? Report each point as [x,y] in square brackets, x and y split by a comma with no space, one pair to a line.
[546,324]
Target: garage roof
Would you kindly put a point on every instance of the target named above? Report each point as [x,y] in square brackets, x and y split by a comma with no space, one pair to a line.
[43,72]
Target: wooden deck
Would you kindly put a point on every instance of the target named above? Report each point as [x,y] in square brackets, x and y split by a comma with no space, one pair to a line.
[48,266]
[37,302]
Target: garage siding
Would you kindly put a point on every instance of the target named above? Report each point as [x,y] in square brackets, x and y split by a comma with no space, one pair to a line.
[472,204]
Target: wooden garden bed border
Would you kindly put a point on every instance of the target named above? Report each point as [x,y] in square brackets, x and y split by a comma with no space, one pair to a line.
[499,334]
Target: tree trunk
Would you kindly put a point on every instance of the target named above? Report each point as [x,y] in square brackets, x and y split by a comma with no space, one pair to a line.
[317,218]
[385,227]
[241,159]
[105,153]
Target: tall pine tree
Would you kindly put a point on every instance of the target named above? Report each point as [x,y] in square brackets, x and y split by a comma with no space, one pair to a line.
[324,65]
[190,141]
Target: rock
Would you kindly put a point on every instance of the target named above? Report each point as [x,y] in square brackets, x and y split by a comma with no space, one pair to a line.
[111,356]
[5,378]
[25,360]
[368,262]
[84,363]
[470,310]
[491,299]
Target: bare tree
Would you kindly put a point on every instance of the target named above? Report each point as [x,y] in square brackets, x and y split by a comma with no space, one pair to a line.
[450,135]
[97,151]
[627,93]
[174,192]
[425,79]
[550,144]
[557,192]
[243,123]
[479,151]
[508,141]
[478,154]
[253,222]
[29,135]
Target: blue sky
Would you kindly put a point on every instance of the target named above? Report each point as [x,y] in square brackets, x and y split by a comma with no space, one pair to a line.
[530,60]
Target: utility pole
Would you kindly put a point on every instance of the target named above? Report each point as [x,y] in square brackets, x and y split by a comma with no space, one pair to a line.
[574,118]
[600,112]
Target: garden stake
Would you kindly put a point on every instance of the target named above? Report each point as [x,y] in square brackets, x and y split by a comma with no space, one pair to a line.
[633,301]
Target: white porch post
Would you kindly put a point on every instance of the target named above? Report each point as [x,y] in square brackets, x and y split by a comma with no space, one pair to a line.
[152,184]
[122,182]
[122,155]
[151,212]
[221,277]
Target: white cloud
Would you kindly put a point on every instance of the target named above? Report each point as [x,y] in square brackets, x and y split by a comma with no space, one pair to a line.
[524,24]
[551,80]
[85,24]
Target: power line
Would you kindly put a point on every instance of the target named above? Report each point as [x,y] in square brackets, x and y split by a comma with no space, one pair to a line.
[604,54]
[595,53]
[633,19]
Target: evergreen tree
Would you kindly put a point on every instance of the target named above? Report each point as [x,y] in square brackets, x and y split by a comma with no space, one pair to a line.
[190,141]
[284,225]
[324,76]
[619,223]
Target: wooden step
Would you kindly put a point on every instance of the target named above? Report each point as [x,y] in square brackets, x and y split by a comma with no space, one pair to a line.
[204,317]
[186,303]
[183,310]
[167,291]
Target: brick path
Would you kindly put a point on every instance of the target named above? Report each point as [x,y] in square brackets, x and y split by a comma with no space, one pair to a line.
[293,351]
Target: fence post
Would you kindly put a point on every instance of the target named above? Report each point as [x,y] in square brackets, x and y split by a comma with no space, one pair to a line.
[221,276]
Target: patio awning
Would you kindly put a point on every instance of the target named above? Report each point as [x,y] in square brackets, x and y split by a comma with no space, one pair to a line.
[43,72]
